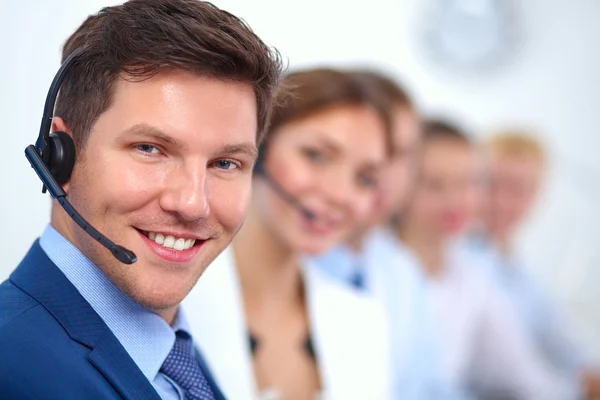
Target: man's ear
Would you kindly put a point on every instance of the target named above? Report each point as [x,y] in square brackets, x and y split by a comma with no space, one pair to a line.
[59,125]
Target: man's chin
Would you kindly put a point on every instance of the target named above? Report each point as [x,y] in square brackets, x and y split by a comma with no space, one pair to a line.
[160,293]
[161,303]
[159,286]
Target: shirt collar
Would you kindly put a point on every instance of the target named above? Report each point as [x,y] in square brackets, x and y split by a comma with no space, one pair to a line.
[340,261]
[146,337]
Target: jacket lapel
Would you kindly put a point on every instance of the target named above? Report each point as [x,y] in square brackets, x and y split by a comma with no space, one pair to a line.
[113,362]
[38,276]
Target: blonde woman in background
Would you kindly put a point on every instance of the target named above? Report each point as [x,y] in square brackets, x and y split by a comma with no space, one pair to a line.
[516,166]
[485,349]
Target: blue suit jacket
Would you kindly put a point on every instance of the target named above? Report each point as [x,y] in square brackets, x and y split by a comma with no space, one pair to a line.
[53,345]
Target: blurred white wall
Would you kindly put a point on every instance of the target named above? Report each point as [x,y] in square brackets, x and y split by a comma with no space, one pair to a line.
[552,84]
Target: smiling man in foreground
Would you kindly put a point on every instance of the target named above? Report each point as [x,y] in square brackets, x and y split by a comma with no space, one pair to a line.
[165,101]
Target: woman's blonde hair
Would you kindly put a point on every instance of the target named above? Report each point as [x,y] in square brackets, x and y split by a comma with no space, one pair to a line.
[517,144]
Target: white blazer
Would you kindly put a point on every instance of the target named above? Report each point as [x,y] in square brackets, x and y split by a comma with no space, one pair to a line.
[349,334]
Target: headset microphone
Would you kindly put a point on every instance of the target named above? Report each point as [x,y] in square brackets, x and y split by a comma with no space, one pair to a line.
[282,192]
[53,158]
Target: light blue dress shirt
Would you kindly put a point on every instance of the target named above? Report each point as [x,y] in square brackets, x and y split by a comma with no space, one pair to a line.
[402,291]
[539,314]
[145,336]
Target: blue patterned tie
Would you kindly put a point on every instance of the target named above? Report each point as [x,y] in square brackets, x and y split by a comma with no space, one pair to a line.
[182,367]
[357,279]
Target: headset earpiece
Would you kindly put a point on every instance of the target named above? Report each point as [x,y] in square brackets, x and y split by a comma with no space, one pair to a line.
[53,157]
[61,157]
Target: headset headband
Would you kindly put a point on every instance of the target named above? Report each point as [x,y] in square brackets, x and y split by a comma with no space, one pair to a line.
[60,76]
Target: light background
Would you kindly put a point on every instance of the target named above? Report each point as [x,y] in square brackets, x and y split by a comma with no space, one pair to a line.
[552,83]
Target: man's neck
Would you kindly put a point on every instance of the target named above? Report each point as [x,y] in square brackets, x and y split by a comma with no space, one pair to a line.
[503,243]
[167,314]
[429,249]
[356,241]
[61,222]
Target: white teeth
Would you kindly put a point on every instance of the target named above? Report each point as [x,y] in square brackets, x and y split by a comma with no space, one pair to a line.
[171,242]
[179,243]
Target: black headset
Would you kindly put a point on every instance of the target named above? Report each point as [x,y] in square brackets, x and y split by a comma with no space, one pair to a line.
[53,157]
[56,149]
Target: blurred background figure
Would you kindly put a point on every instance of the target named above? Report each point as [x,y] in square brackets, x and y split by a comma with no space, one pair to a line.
[270,325]
[372,262]
[485,349]
[517,164]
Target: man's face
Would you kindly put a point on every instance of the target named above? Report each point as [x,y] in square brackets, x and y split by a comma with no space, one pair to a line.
[166,172]
[442,200]
[397,175]
[514,186]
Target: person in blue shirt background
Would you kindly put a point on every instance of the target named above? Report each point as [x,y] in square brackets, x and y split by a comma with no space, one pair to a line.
[161,168]
[516,164]
[372,261]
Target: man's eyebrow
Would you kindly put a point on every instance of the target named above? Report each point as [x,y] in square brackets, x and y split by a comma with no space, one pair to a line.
[143,129]
[374,166]
[248,148]
[330,145]
[150,131]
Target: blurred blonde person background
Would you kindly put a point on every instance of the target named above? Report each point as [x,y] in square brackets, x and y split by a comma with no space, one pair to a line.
[516,164]
[485,349]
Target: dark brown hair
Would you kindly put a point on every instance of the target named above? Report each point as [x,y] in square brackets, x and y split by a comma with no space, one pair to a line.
[307,92]
[441,129]
[390,89]
[140,38]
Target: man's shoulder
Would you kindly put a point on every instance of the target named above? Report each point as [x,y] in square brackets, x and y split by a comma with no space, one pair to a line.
[37,356]
[29,334]
[26,324]
[13,303]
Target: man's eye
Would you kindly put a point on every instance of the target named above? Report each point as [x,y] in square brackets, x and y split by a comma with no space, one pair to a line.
[226,164]
[313,155]
[147,148]
[366,181]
